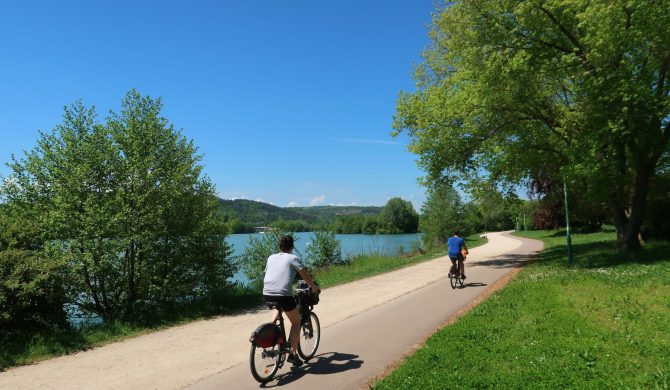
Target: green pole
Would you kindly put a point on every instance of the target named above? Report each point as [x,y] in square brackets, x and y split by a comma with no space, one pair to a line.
[567,221]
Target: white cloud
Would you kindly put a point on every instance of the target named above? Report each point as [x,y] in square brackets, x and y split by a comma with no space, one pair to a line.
[292,204]
[319,200]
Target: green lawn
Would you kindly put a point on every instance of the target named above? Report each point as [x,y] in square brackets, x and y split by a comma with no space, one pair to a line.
[603,322]
[38,347]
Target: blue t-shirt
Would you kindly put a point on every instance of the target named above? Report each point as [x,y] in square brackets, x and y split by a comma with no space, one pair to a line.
[455,245]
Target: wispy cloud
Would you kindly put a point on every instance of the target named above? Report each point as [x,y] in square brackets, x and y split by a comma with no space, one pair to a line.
[319,200]
[292,204]
[366,141]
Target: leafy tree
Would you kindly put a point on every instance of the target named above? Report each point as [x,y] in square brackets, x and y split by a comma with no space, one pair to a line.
[441,214]
[324,250]
[574,90]
[126,204]
[398,216]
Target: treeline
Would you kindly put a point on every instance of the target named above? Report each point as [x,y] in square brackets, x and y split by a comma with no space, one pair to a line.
[397,216]
[110,218]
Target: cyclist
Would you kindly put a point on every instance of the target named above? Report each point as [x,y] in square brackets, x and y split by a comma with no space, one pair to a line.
[280,270]
[457,252]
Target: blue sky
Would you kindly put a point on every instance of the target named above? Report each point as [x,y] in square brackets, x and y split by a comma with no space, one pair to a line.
[290,102]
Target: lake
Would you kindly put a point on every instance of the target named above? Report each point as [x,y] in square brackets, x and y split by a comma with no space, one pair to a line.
[352,244]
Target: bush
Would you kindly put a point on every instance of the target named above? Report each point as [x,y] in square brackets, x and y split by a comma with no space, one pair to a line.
[324,250]
[32,296]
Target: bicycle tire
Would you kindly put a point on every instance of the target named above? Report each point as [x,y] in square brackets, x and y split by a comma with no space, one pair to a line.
[452,280]
[264,362]
[310,336]
[460,280]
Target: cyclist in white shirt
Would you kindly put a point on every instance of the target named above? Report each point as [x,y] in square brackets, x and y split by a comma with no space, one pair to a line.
[277,287]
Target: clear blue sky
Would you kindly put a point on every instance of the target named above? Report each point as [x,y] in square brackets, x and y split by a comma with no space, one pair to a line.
[290,102]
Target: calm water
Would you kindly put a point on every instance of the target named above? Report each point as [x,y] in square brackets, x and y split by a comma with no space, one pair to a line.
[352,244]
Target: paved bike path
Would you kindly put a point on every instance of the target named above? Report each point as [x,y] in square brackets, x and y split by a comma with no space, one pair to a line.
[362,347]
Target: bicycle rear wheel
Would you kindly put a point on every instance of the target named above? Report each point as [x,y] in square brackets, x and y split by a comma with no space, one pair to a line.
[310,336]
[264,362]
[453,280]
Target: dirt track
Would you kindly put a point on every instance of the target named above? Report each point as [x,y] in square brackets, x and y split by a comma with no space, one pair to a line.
[202,352]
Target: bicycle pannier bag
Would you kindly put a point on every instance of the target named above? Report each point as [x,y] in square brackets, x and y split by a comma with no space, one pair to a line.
[266,335]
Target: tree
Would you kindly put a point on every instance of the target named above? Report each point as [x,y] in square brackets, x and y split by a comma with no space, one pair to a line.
[398,216]
[577,91]
[126,203]
[441,214]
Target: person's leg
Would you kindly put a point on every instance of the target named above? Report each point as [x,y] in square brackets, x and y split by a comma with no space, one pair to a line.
[294,338]
[275,316]
[461,266]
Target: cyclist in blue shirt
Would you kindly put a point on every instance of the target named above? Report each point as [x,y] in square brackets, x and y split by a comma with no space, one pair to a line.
[457,250]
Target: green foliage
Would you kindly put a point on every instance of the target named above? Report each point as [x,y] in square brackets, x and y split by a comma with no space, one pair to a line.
[244,215]
[324,250]
[600,323]
[543,91]
[398,216]
[441,215]
[125,203]
[357,224]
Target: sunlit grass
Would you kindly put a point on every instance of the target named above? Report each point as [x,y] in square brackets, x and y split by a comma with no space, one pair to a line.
[602,322]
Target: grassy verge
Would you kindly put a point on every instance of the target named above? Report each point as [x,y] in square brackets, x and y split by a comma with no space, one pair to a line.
[603,322]
[42,346]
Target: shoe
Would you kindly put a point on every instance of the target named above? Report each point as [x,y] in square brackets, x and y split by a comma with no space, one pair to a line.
[463,276]
[294,359]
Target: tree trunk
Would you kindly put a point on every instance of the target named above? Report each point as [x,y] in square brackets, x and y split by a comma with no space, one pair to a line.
[638,209]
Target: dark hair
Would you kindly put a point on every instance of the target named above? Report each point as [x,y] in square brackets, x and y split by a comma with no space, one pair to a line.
[457,233]
[286,243]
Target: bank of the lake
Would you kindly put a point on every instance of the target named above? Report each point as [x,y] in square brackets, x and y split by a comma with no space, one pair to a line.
[43,346]
[353,245]
[602,322]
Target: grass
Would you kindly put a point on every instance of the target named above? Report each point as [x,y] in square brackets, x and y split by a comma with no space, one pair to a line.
[26,350]
[603,322]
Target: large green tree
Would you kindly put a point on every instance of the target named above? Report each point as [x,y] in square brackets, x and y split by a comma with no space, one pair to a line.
[125,202]
[442,213]
[562,89]
[398,216]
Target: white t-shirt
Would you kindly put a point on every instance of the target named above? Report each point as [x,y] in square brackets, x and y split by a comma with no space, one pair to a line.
[279,273]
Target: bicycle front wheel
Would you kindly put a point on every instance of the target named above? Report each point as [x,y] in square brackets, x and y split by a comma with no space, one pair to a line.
[264,362]
[310,336]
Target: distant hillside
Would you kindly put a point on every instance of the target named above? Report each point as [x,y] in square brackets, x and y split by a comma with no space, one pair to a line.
[249,213]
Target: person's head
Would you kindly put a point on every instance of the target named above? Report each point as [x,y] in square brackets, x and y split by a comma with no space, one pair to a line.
[457,233]
[286,244]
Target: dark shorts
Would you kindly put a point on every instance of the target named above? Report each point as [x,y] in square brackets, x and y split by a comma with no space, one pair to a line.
[286,303]
[458,257]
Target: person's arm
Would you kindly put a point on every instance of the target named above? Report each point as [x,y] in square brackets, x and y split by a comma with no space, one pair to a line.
[307,278]
[465,248]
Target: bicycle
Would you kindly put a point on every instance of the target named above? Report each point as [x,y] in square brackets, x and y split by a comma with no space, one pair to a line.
[269,345]
[455,277]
